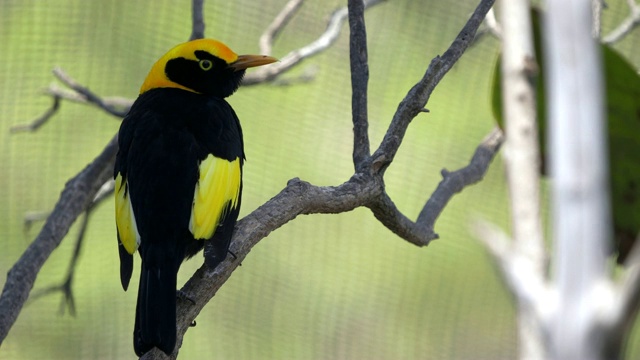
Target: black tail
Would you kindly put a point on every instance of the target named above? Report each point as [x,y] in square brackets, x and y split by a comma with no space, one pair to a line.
[156,310]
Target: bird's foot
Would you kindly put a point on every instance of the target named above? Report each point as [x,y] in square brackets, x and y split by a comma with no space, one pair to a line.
[235,257]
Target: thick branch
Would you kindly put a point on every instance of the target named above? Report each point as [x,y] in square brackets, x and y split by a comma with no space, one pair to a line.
[580,191]
[522,160]
[298,197]
[78,193]
[522,154]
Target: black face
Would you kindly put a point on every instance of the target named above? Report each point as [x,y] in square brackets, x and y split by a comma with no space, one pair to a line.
[209,76]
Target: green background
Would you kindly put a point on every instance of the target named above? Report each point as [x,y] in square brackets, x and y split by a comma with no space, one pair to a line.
[322,286]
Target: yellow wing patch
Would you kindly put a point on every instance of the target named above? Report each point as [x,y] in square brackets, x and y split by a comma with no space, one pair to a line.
[125,219]
[219,184]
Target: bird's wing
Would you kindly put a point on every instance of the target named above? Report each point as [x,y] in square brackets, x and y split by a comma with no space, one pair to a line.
[217,191]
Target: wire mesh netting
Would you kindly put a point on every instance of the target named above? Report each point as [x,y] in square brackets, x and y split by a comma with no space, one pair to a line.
[323,286]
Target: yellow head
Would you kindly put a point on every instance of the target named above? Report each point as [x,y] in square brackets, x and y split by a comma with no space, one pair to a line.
[202,66]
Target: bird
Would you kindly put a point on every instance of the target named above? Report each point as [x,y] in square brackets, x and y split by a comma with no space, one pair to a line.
[178,177]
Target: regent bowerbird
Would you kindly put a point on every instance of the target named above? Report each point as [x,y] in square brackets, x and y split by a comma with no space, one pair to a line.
[178,176]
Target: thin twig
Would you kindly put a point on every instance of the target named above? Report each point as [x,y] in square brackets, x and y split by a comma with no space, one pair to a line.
[277,25]
[525,282]
[421,232]
[66,286]
[596,15]
[90,96]
[455,181]
[359,81]
[32,217]
[330,35]
[307,75]
[115,105]
[40,120]
[120,103]
[418,96]
[626,26]
[197,19]
[492,24]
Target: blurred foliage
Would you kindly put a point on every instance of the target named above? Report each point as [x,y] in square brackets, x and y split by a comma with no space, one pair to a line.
[321,287]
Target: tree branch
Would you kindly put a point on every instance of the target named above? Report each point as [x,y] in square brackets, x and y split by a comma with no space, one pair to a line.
[330,35]
[522,159]
[422,231]
[77,195]
[40,120]
[88,95]
[626,26]
[359,82]
[580,191]
[66,286]
[116,106]
[416,99]
[277,25]
[454,182]
[197,19]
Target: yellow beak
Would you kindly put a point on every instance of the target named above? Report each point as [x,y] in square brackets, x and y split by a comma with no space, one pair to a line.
[247,61]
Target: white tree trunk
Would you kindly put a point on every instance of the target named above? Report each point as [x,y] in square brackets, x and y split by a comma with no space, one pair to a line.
[580,201]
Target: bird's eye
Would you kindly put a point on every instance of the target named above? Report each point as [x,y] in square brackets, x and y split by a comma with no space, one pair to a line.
[205,65]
